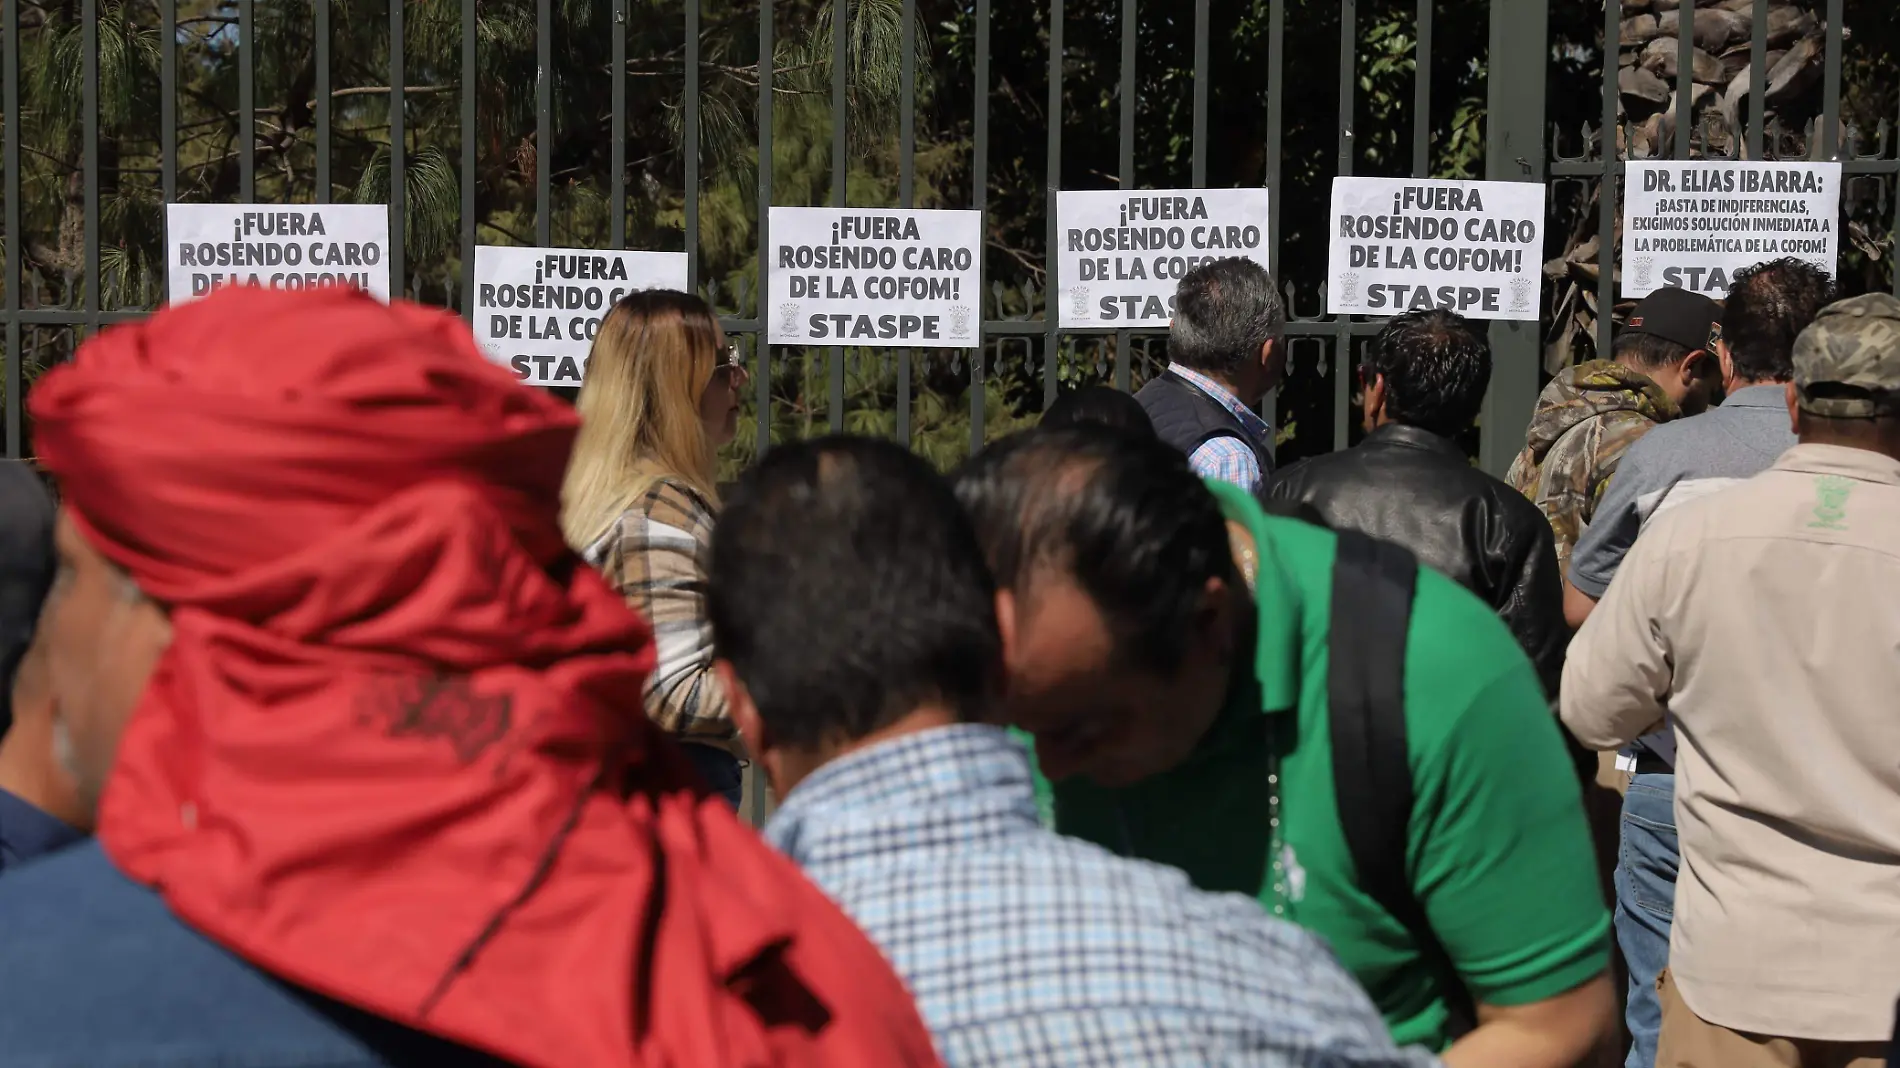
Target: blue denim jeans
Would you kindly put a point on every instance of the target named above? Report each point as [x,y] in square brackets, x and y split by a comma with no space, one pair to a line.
[1645,899]
[719,768]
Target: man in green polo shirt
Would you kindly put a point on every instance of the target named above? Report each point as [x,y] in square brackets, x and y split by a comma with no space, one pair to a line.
[1168,653]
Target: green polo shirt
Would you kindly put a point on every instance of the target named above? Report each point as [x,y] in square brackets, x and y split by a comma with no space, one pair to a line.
[1498,849]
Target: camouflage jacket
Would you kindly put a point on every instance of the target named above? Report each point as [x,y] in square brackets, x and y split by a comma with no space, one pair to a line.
[1586,419]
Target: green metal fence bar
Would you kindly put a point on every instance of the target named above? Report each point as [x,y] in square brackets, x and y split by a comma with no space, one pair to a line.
[89,155]
[762,378]
[1757,82]
[15,356]
[1685,78]
[1276,129]
[1199,173]
[247,101]
[1341,363]
[167,100]
[1514,151]
[398,171]
[1130,29]
[543,119]
[689,117]
[840,176]
[1052,334]
[1422,92]
[322,33]
[979,199]
[1831,80]
[617,137]
[906,182]
[470,139]
[1607,176]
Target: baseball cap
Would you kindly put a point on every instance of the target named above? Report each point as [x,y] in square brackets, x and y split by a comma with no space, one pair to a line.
[1688,319]
[1854,346]
[26,568]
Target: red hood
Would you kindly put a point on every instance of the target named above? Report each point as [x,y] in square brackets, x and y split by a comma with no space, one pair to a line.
[395,752]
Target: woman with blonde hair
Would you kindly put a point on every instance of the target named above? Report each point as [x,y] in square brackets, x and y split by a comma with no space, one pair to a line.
[660,396]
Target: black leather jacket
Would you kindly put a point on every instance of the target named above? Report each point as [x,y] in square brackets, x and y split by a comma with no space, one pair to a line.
[1415,488]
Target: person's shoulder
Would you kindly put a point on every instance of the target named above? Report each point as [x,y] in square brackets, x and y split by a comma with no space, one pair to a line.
[1082,898]
[1665,444]
[669,509]
[1304,475]
[1518,511]
[1457,650]
[81,944]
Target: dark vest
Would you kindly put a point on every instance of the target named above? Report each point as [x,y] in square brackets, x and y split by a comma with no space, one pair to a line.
[1187,418]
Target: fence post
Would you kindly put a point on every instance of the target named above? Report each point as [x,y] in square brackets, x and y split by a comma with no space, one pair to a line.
[1514,152]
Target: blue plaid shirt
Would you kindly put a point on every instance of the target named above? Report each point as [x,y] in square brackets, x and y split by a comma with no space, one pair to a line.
[1226,459]
[1028,949]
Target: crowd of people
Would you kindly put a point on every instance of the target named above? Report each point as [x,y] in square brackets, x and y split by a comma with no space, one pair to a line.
[370,708]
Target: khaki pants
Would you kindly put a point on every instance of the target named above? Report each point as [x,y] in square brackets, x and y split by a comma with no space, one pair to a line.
[1689,1041]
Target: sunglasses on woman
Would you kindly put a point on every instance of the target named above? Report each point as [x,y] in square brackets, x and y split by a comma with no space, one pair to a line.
[730,367]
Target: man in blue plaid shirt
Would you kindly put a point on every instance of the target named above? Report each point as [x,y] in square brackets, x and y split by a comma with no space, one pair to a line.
[857,631]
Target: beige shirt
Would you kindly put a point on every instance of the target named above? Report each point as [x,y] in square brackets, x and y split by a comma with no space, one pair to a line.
[1766,619]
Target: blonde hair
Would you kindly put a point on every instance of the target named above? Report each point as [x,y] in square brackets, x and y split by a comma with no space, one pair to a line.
[639,404]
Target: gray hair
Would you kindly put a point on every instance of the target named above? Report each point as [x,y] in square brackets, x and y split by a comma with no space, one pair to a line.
[1224,312]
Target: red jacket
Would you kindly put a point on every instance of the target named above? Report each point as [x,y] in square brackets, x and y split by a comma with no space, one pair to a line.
[395,751]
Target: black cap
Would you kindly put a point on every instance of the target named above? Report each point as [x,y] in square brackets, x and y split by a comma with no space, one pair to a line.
[1688,319]
[26,568]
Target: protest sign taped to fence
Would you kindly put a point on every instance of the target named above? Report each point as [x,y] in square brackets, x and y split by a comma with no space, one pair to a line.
[282,246]
[537,309]
[1122,254]
[1404,244]
[891,277]
[1693,225]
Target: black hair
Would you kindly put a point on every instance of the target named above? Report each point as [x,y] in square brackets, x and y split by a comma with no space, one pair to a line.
[1124,516]
[1436,368]
[1224,312]
[848,588]
[1099,404]
[1768,305]
[1648,351]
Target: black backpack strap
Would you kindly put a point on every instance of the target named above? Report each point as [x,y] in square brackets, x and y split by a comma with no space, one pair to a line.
[1373,584]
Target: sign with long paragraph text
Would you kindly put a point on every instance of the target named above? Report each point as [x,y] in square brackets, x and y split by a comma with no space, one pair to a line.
[1693,225]
[1404,244]
[888,277]
[537,309]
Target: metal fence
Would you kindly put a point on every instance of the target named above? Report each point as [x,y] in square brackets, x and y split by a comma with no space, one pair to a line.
[960,69]
[1805,125]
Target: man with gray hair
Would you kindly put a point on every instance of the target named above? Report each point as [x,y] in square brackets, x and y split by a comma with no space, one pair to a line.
[1762,619]
[1225,352]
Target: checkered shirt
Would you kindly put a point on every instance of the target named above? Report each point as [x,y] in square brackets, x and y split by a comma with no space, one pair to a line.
[1028,949]
[1228,459]
[652,555]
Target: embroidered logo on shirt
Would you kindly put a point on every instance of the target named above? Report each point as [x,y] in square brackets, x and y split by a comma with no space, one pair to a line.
[1830,502]
[438,706]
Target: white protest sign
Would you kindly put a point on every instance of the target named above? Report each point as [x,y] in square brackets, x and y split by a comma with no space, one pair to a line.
[536,309]
[1400,244]
[899,277]
[1693,225]
[1123,254]
[282,246]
